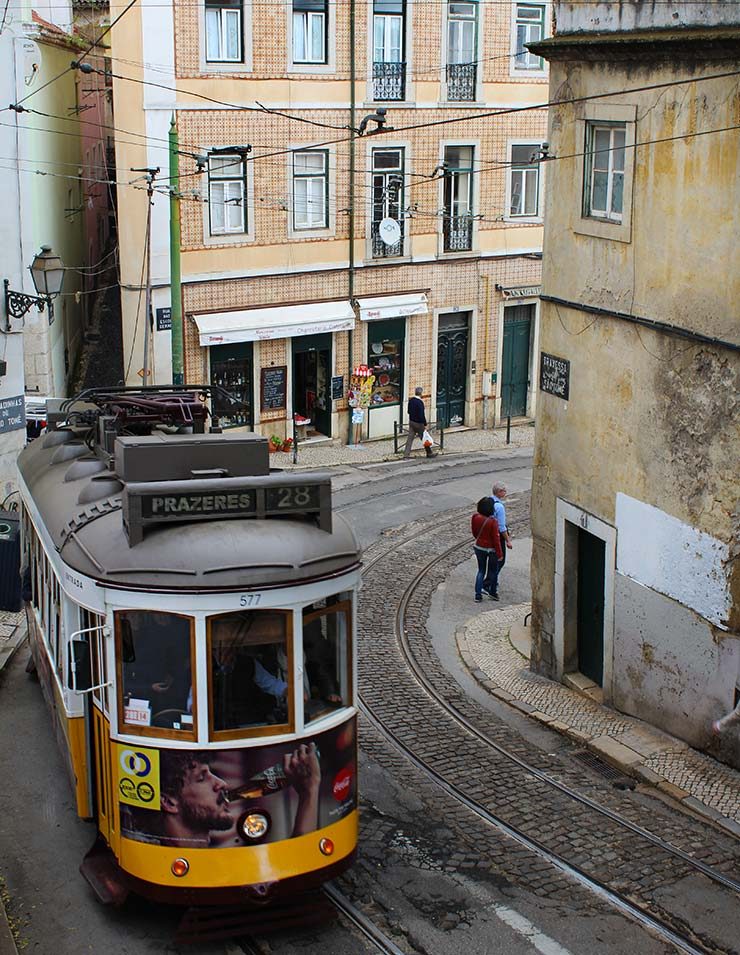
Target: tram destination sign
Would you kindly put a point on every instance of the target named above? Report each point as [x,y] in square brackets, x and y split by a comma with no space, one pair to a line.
[183,502]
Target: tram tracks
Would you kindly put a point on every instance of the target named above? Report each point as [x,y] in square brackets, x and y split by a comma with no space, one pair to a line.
[631,839]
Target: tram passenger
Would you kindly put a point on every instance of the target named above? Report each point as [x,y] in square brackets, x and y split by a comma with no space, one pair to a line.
[156,663]
[320,665]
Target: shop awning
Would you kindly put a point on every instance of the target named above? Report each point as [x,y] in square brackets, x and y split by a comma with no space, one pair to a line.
[263,324]
[392,306]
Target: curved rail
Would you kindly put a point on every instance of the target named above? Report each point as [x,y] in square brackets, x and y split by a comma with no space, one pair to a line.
[362,922]
[594,885]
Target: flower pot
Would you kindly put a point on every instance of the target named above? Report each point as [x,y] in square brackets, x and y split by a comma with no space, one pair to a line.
[272,447]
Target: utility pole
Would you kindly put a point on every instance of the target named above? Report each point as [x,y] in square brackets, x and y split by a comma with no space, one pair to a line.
[176,331]
[351,224]
[151,174]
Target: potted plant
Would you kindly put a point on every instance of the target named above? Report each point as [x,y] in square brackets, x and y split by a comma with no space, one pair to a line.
[287,444]
[274,443]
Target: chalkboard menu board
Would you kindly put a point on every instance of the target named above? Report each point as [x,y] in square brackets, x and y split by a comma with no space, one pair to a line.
[337,388]
[274,390]
[555,375]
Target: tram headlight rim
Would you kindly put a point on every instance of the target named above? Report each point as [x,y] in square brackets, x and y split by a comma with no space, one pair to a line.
[254,815]
[326,846]
[180,867]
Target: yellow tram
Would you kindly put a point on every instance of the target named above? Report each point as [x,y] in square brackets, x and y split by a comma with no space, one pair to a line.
[192,628]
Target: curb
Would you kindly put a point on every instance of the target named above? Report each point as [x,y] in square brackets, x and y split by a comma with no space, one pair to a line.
[7,942]
[8,651]
[628,763]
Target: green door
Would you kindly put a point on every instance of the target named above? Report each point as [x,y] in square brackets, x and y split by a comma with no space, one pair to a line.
[515,359]
[590,611]
[452,366]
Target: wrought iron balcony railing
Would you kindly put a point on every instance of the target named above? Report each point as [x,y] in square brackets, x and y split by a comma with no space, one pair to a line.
[380,249]
[461,79]
[389,81]
[458,233]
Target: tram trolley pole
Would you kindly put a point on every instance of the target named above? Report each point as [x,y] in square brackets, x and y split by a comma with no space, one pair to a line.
[295,441]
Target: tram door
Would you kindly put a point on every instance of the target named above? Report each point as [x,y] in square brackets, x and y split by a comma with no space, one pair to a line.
[105,772]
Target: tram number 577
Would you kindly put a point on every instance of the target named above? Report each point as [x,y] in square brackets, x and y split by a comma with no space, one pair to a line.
[249,600]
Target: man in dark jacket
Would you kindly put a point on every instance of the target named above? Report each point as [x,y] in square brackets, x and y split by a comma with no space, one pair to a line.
[417,422]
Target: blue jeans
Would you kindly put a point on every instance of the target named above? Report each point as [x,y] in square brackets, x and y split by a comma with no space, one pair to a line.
[487,575]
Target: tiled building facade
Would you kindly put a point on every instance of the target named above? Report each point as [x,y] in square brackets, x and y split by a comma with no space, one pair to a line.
[444,295]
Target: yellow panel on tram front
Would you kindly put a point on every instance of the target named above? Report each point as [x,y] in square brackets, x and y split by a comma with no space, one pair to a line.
[245,866]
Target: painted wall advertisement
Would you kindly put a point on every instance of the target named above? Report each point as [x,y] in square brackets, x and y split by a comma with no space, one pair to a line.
[198,798]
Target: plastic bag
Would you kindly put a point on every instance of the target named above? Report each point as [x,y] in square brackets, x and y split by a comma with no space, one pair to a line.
[426,439]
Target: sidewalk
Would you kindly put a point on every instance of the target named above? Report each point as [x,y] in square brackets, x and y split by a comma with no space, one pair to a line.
[495,648]
[329,453]
[12,634]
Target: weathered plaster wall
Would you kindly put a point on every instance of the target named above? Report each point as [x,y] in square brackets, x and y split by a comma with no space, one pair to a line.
[618,15]
[649,416]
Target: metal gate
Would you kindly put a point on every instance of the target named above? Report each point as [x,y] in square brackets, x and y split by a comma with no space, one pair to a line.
[515,359]
[452,366]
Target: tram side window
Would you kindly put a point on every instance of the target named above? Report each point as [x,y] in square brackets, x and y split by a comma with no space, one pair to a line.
[250,664]
[154,654]
[327,658]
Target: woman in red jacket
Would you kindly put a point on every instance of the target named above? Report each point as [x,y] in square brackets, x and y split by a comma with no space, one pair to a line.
[487,549]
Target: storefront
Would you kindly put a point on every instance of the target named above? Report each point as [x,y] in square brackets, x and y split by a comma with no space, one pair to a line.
[387,330]
[296,338]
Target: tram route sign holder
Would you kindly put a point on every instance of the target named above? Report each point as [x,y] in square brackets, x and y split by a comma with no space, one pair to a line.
[157,503]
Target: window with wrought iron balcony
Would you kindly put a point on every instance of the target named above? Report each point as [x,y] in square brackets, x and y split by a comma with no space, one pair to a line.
[457,222]
[389,67]
[387,199]
[462,43]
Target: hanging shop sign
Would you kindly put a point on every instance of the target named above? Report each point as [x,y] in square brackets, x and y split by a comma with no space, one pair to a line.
[555,375]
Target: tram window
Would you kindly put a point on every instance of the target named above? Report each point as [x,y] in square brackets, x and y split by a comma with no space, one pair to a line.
[249,660]
[327,658]
[154,652]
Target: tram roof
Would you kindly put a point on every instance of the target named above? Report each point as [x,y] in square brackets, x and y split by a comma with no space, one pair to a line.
[79,500]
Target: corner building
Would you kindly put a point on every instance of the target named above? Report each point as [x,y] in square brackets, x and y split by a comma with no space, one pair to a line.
[284,262]
[635,577]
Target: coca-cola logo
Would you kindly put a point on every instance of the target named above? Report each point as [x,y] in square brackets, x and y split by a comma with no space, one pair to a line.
[342,784]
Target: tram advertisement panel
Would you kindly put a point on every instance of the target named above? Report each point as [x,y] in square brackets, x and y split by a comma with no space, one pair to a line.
[201,798]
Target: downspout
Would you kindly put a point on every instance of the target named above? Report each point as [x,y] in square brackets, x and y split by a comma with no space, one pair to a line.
[351,208]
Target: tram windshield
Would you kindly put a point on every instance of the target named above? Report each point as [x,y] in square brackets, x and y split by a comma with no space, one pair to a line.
[250,662]
[327,658]
[155,657]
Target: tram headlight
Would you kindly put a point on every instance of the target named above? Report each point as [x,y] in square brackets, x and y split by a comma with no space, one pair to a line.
[254,826]
[180,867]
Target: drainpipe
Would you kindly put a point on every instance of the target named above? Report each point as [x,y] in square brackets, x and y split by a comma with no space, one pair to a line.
[351,209]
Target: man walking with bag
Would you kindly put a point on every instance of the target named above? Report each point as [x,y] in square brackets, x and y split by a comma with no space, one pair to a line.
[417,423]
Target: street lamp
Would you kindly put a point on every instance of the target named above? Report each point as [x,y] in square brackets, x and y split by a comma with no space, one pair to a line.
[47,272]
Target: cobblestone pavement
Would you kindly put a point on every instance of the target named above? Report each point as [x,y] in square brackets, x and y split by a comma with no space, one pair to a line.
[696,777]
[332,453]
[599,846]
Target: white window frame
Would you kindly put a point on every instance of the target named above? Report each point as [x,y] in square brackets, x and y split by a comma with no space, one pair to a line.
[407,57]
[299,231]
[329,64]
[477,56]
[523,217]
[224,15]
[405,147]
[528,71]
[244,64]
[308,16]
[605,114]
[593,127]
[230,236]
[475,145]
